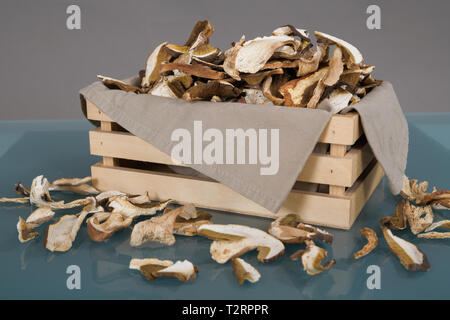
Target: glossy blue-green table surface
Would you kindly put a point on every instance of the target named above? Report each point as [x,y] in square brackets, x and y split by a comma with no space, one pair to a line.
[61,149]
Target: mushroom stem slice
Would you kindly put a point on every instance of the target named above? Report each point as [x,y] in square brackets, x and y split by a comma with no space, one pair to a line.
[312,259]
[434,235]
[15,200]
[26,232]
[244,271]
[40,216]
[439,224]
[231,241]
[372,242]
[398,221]
[409,255]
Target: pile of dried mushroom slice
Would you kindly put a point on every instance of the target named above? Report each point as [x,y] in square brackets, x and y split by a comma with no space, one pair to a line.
[106,213]
[284,68]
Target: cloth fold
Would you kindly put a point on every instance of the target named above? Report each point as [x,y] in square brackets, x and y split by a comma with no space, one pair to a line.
[158,120]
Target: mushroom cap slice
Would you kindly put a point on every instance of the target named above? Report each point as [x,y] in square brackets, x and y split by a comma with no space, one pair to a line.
[419,218]
[255,96]
[197,70]
[398,221]
[410,255]
[135,263]
[255,53]
[205,52]
[231,241]
[40,216]
[205,91]
[307,65]
[15,200]
[102,229]
[188,225]
[200,28]
[182,270]
[153,65]
[312,259]
[111,82]
[372,243]
[352,55]
[297,92]
[244,271]
[122,205]
[25,231]
[440,199]
[434,235]
[414,191]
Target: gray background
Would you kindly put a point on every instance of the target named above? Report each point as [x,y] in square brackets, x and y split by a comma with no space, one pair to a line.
[43,65]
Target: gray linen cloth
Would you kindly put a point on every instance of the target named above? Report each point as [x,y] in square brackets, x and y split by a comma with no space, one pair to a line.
[154,119]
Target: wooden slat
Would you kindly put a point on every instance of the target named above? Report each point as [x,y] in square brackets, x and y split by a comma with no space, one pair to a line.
[338,151]
[320,168]
[342,129]
[107,127]
[314,208]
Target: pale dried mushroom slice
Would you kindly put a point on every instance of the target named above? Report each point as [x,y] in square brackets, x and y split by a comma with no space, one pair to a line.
[15,200]
[111,82]
[197,70]
[189,226]
[398,221]
[71,181]
[244,271]
[204,52]
[136,263]
[297,92]
[414,191]
[40,216]
[409,255]
[162,88]
[336,68]
[255,53]
[231,241]
[26,232]
[419,218]
[255,96]
[141,199]
[153,65]
[106,195]
[434,235]
[289,30]
[372,243]
[101,228]
[353,57]
[312,259]
[445,224]
[122,205]
[439,199]
[61,234]
[284,64]
[254,79]
[337,101]
[309,62]
[229,64]
[182,270]
[205,91]
[75,185]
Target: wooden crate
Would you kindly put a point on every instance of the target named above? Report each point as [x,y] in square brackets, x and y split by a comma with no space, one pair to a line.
[348,174]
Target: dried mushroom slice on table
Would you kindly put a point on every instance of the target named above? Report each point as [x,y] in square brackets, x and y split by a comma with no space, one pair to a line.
[153,268]
[244,271]
[75,185]
[439,199]
[122,205]
[15,200]
[61,234]
[312,258]
[231,241]
[26,232]
[289,229]
[188,225]
[119,84]
[445,224]
[409,255]
[21,189]
[419,218]
[102,227]
[107,195]
[398,221]
[40,216]
[434,235]
[372,242]
[414,191]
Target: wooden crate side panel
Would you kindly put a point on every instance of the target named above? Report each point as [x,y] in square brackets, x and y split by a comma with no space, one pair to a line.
[319,168]
[313,208]
[342,129]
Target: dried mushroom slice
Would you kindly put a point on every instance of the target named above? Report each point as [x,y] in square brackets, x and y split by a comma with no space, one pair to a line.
[201,29]
[353,58]
[398,221]
[255,53]
[26,232]
[297,92]
[338,100]
[194,69]
[229,64]
[143,199]
[231,241]
[285,64]
[188,225]
[203,52]
[336,68]
[439,199]
[205,91]
[127,209]
[182,270]
[153,65]
[414,191]
[256,78]
[445,224]
[372,243]
[61,234]
[115,83]
[309,62]
[106,195]
[40,216]
[135,263]
[312,259]
[255,96]
[15,200]
[409,255]
[419,218]
[102,227]
[21,189]
[162,88]
[434,235]
[244,271]
[75,185]
[269,89]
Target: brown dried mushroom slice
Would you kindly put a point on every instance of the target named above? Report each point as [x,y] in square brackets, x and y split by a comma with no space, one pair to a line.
[353,58]
[153,65]
[439,199]
[269,91]
[26,232]
[312,259]
[372,243]
[122,205]
[201,29]
[188,225]
[111,82]
[445,224]
[21,189]
[419,218]
[285,64]
[309,62]
[162,88]
[102,227]
[434,235]
[197,70]
[231,241]
[255,53]
[244,271]
[205,91]
[203,52]
[398,221]
[61,234]
[409,255]
[153,268]
[297,92]
[414,191]
[15,200]
[256,78]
